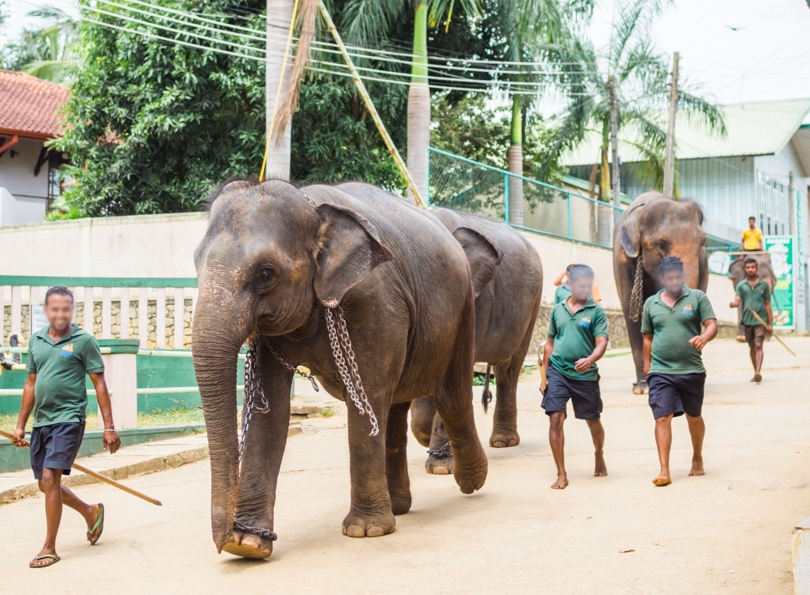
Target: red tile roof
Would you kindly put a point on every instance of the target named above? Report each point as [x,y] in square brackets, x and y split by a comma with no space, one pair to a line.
[28,105]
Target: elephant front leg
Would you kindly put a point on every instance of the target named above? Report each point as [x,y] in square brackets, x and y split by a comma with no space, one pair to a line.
[371,514]
[504,426]
[429,430]
[396,458]
[264,447]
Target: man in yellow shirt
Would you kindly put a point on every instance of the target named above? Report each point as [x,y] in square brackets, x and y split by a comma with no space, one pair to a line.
[752,237]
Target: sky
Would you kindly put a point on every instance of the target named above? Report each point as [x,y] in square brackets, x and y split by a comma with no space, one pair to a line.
[767,56]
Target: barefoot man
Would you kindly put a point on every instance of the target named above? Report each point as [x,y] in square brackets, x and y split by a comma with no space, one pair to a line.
[577,338]
[754,293]
[59,357]
[677,323]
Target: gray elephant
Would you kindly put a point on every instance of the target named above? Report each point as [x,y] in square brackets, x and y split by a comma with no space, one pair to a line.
[736,272]
[506,309]
[315,276]
[654,226]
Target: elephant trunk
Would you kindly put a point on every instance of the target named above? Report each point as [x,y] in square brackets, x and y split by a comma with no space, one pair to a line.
[219,330]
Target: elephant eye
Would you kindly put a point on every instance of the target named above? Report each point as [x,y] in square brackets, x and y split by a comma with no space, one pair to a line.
[267,274]
[662,244]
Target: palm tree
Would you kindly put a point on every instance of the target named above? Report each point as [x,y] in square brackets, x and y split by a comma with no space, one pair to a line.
[367,20]
[642,82]
[531,29]
[49,53]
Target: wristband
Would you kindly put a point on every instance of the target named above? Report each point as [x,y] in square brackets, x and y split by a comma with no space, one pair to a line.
[109,429]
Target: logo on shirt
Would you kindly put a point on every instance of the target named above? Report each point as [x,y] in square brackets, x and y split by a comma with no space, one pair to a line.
[586,321]
[687,310]
[67,350]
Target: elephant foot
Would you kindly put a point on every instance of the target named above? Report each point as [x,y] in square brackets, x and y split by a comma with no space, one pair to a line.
[440,460]
[400,503]
[248,545]
[504,438]
[439,465]
[640,388]
[357,524]
[471,468]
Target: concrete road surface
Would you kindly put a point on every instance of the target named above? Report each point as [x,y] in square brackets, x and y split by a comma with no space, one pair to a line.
[729,531]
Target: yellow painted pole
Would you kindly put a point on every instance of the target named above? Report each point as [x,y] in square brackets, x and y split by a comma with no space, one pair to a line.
[361,88]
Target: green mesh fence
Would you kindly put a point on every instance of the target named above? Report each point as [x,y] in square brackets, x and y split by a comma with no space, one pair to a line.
[455,182]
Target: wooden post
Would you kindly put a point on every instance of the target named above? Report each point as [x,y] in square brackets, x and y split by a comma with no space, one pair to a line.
[614,144]
[669,161]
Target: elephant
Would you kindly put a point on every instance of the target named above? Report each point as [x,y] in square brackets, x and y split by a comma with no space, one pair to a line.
[505,313]
[652,227]
[347,284]
[736,272]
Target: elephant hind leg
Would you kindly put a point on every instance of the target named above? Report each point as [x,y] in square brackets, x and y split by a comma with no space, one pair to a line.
[504,426]
[422,413]
[396,458]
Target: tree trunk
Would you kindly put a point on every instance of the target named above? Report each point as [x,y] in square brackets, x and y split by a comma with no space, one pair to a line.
[279,14]
[605,217]
[515,158]
[419,105]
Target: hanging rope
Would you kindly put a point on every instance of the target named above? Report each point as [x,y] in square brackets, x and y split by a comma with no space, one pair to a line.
[637,295]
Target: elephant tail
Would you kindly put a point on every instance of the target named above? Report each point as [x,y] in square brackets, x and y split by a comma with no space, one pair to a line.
[486,396]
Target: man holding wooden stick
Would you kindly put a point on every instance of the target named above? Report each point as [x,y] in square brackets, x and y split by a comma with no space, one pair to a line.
[59,357]
[754,295]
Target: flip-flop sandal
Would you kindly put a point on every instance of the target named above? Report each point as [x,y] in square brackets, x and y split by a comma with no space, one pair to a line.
[98,526]
[52,557]
[757,377]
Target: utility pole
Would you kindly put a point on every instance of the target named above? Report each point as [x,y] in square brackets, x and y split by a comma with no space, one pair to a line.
[614,143]
[669,162]
[279,15]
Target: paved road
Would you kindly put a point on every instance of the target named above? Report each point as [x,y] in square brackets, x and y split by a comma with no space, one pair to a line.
[728,531]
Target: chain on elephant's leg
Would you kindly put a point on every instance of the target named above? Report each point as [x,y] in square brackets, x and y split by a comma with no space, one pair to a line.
[440,453]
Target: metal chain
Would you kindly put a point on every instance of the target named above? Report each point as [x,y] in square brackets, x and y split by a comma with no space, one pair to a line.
[637,295]
[253,392]
[442,452]
[347,365]
[293,369]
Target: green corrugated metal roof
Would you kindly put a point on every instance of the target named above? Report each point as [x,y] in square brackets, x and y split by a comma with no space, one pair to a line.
[754,128]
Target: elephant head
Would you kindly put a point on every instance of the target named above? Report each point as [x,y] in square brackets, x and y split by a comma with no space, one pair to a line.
[269,260]
[655,226]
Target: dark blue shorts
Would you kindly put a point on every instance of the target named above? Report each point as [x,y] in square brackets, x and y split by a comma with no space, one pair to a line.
[676,394]
[55,447]
[584,395]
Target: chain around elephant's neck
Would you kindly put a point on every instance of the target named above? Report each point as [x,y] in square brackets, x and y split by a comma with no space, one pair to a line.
[347,365]
[637,294]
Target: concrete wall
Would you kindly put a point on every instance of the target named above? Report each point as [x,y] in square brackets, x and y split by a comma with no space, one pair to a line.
[163,246]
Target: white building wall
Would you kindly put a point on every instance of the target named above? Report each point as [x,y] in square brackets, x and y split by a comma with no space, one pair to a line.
[25,199]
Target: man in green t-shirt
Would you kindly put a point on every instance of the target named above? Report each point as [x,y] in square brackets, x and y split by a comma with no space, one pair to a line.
[754,293]
[59,357]
[677,323]
[577,338]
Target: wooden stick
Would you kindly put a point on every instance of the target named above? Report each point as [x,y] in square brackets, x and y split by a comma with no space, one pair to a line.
[98,476]
[763,323]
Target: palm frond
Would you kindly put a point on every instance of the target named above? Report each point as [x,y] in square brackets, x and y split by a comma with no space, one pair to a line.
[701,110]
[364,22]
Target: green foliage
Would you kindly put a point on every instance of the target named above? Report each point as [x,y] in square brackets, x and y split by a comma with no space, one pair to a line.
[334,139]
[152,125]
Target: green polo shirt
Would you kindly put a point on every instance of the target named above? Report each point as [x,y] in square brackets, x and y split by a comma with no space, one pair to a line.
[755,298]
[575,337]
[672,328]
[60,393]
[562,293]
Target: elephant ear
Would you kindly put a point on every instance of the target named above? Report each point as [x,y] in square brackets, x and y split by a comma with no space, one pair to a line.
[630,236]
[349,250]
[483,254]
